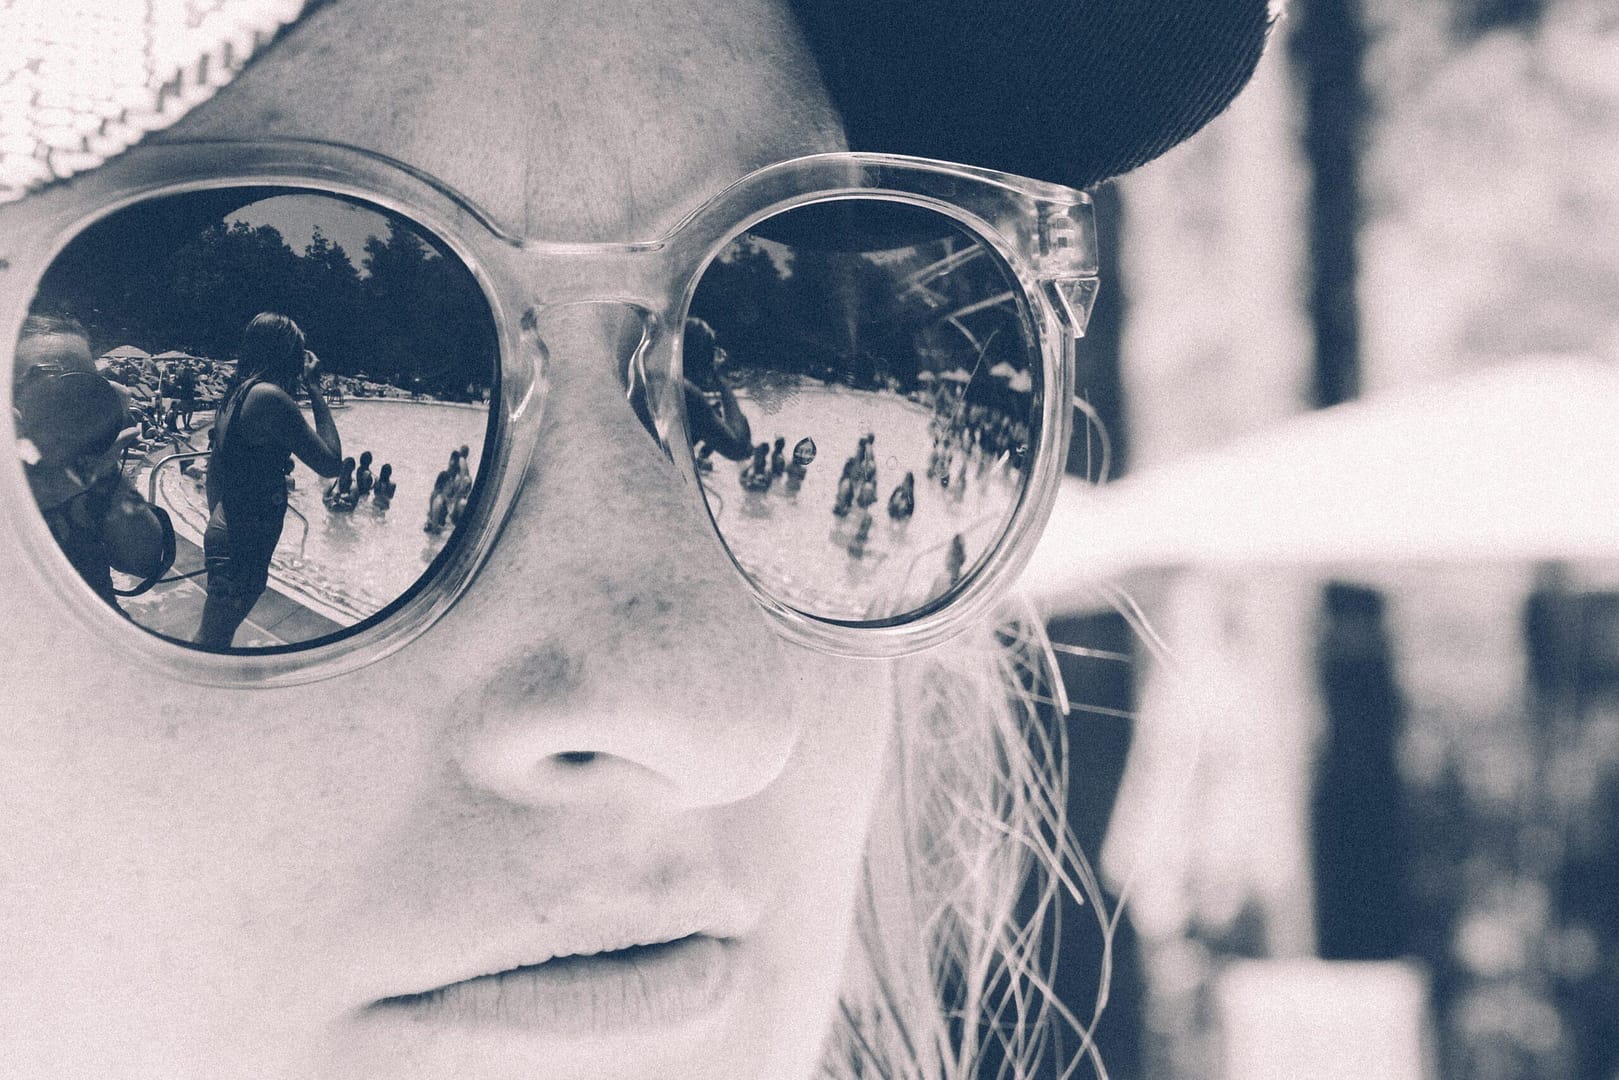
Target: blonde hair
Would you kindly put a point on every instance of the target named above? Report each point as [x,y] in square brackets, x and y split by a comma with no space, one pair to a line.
[957,924]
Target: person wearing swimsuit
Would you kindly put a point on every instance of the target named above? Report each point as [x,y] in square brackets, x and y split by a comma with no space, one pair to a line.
[362,476]
[260,427]
[382,493]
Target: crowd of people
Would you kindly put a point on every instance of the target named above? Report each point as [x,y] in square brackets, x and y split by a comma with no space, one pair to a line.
[163,397]
[190,384]
[355,483]
[968,439]
[964,432]
[186,381]
[857,487]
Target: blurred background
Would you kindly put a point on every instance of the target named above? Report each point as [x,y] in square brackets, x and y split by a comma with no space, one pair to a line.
[1368,813]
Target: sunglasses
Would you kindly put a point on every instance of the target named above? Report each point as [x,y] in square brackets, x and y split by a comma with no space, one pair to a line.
[862,366]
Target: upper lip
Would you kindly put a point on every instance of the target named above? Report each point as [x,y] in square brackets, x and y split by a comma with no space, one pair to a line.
[588,925]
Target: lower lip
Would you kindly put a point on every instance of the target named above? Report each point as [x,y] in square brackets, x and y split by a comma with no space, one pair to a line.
[648,987]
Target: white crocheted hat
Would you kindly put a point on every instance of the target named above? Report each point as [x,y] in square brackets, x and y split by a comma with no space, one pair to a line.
[80,82]
[1073,91]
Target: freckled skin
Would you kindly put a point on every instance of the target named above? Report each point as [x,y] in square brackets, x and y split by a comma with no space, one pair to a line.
[215,883]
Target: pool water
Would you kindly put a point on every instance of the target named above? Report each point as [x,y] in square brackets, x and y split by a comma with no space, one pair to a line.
[353,564]
[797,549]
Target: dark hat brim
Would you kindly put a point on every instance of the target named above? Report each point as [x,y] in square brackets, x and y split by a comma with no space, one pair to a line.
[1071,91]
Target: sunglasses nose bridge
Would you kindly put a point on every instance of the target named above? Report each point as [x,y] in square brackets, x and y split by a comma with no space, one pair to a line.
[627,287]
[634,334]
[564,273]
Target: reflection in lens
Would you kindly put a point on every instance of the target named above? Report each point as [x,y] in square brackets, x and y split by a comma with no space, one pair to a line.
[897,346]
[295,384]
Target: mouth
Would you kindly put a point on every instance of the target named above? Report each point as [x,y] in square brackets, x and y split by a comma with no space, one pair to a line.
[637,987]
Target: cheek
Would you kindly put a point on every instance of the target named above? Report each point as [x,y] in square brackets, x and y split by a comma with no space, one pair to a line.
[808,832]
[168,849]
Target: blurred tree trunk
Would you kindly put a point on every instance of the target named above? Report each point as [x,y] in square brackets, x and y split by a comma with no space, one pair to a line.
[1492,236]
[1217,342]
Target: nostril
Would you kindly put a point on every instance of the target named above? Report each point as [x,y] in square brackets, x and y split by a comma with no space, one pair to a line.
[577,757]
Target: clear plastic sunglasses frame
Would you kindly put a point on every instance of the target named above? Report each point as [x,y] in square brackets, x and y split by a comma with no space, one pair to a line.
[1045,234]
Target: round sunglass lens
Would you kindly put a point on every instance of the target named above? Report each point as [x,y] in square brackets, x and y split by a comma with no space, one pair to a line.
[864,387]
[297,384]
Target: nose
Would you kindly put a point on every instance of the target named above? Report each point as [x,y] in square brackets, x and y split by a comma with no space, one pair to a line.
[618,653]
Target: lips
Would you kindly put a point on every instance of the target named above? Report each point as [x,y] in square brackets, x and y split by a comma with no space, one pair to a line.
[639,987]
[656,951]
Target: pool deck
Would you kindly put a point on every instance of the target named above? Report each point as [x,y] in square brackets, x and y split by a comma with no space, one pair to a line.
[175,610]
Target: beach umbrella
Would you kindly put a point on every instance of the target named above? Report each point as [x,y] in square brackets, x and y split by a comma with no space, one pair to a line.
[1018,380]
[960,375]
[925,376]
[173,354]
[126,352]
[1021,383]
[1518,463]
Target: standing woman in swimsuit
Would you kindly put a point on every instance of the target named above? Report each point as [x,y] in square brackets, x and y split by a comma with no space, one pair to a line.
[259,426]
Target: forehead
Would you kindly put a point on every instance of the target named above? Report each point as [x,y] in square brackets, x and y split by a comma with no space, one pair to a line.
[563,120]
[68,350]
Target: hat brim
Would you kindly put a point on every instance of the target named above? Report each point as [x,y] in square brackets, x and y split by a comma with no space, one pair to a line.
[1069,91]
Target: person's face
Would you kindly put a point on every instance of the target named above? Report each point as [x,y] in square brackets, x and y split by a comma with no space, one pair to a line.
[66,352]
[70,352]
[601,745]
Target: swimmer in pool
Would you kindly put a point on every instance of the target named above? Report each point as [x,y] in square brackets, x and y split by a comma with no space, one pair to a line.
[778,462]
[845,497]
[438,504]
[382,492]
[862,533]
[798,468]
[460,485]
[756,475]
[866,494]
[864,475]
[340,496]
[362,476]
[902,503]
